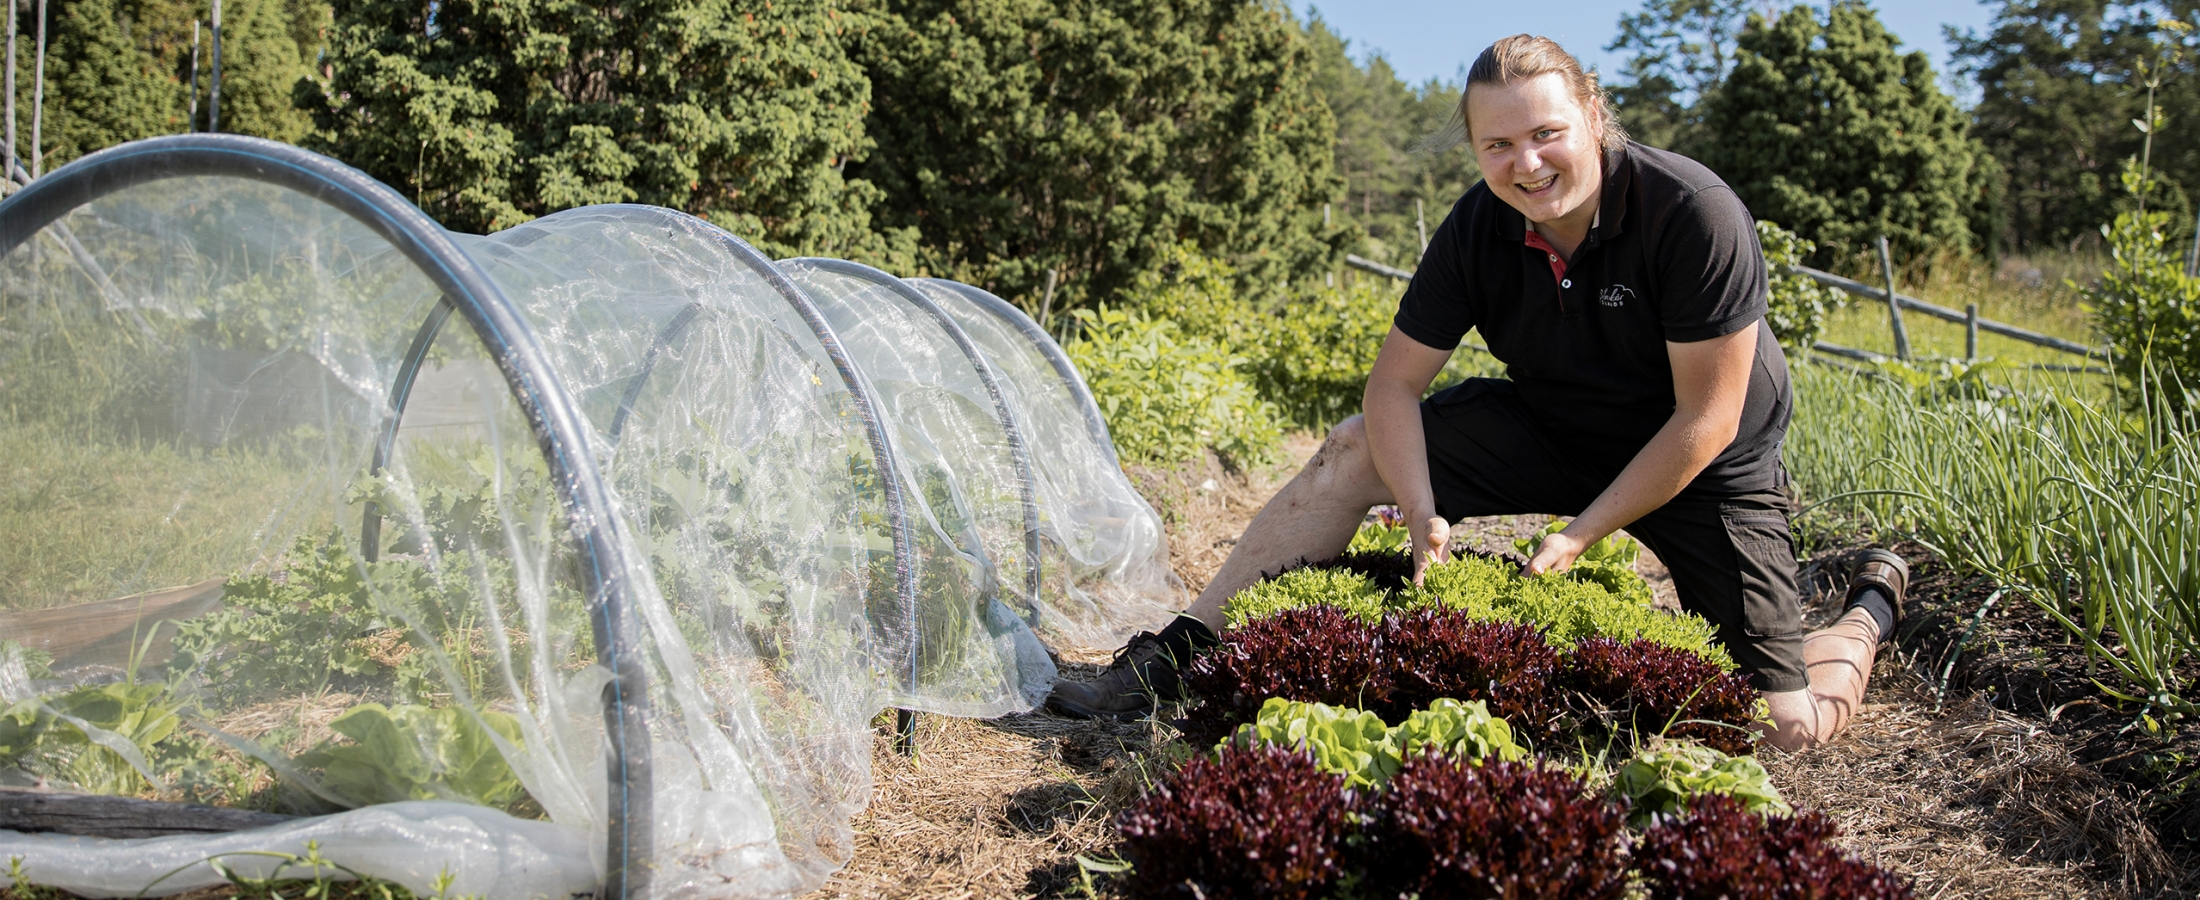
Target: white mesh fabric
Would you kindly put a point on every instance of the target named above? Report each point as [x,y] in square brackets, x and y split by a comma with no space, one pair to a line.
[1108,556]
[403,654]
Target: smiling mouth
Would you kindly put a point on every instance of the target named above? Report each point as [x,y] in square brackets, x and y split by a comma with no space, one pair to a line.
[1533,187]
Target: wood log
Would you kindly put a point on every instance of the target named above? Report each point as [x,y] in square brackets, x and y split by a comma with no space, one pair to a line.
[29,810]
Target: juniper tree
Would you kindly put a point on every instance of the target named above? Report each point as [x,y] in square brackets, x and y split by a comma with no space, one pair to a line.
[1092,136]
[493,112]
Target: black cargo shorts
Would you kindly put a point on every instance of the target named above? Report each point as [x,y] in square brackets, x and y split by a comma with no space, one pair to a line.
[1732,559]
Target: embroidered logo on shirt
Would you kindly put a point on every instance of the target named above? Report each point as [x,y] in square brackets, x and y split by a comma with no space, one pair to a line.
[1616,295]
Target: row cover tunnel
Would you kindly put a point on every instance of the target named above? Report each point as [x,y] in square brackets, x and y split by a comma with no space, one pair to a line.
[577,558]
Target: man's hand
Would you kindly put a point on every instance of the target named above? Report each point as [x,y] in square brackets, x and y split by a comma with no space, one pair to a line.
[1556,554]
[1430,539]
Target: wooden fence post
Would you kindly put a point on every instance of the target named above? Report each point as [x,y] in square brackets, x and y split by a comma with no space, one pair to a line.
[1970,332]
[1894,308]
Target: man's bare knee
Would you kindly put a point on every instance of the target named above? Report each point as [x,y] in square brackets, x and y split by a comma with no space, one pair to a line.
[1344,466]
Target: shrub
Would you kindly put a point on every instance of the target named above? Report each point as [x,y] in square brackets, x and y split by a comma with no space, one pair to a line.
[1315,654]
[1253,822]
[2148,308]
[1724,850]
[1566,609]
[1647,688]
[1314,356]
[1356,744]
[1798,305]
[1667,779]
[1336,586]
[1167,397]
[1436,653]
[1511,830]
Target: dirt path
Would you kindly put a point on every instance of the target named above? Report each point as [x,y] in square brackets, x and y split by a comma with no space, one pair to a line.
[1969,800]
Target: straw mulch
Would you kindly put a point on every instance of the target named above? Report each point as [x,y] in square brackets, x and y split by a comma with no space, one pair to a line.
[1970,800]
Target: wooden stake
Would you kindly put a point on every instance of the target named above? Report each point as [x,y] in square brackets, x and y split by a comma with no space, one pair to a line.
[1894,307]
[1420,222]
[1046,302]
[38,98]
[191,121]
[7,167]
[1970,332]
[214,88]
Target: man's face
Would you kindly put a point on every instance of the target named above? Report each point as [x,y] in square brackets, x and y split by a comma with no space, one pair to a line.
[1537,147]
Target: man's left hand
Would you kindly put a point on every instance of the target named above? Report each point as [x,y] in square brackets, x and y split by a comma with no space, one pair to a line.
[1555,554]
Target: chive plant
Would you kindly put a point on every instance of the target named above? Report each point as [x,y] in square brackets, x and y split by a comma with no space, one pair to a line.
[2084,503]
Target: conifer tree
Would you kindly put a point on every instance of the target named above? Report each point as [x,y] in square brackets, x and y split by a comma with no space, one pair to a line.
[1092,136]
[493,112]
[1823,126]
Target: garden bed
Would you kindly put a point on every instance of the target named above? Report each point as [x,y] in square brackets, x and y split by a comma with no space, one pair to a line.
[1968,799]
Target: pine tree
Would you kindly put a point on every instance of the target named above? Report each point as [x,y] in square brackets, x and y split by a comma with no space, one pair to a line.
[1381,124]
[493,112]
[1824,127]
[2057,99]
[1092,136]
[1680,51]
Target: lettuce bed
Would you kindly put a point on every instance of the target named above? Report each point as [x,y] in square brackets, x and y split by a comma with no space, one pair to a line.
[1555,737]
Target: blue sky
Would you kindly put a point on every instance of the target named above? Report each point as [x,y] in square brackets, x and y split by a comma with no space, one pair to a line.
[1434,38]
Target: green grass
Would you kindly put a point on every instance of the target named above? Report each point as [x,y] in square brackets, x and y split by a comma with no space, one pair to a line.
[2050,307]
[84,520]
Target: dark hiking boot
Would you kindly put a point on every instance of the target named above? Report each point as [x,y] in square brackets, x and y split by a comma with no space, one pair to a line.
[1883,571]
[1141,672]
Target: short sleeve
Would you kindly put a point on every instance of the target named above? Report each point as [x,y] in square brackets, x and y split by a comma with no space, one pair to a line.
[1434,310]
[1711,272]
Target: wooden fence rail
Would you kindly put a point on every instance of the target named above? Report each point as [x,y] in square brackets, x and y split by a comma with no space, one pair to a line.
[1859,289]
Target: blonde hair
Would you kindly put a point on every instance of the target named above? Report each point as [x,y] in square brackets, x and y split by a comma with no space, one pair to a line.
[1519,58]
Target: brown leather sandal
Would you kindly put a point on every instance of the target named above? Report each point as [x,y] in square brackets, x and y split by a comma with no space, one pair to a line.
[1884,570]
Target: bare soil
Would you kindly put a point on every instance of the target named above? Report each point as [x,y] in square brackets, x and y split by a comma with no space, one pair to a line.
[2010,783]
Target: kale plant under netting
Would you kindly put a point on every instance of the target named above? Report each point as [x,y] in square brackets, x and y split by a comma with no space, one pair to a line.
[575,557]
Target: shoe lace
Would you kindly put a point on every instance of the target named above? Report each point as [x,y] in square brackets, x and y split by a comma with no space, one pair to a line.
[1143,647]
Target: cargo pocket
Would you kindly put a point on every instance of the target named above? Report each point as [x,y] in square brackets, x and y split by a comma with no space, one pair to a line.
[1764,558]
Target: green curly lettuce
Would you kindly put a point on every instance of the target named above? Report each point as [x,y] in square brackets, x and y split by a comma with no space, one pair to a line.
[1667,779]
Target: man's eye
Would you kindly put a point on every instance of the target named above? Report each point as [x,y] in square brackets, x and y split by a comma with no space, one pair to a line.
[1546,133]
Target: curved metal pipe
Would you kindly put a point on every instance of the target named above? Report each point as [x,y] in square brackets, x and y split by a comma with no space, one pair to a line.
[552,414]
[370,523]
[1017,449]
[1007,312]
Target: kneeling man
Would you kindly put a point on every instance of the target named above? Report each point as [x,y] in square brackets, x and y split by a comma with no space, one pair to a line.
[1624,289]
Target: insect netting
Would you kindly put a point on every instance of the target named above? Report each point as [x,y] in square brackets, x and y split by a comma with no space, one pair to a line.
[576,558]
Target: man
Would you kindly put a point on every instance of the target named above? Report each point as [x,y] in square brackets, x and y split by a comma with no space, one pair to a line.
[1624,289]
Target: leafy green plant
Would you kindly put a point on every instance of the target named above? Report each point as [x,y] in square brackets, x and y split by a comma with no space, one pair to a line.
[1569,610]
[1343,741]
[290,635]
[1379,536]
[100,738]
[1348,591]
[1356,744]
[1798,305]
[1460,730]
[1246,824]
[1167,397]
[1668,778]
[1609,562]
[418,753]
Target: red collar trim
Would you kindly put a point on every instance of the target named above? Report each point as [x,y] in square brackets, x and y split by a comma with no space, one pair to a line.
[1558,263]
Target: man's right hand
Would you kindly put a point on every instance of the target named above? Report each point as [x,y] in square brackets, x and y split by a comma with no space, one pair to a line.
[1431,537]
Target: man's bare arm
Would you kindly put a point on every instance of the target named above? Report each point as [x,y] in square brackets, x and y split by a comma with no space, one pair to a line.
[1402,373]
[1710,381]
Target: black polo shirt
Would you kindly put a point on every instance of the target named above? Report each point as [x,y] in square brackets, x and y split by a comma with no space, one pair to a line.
[1673,257]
